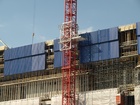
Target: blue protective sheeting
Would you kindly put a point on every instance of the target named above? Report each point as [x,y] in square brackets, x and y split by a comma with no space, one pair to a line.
[13,54]
[94,37]
[24,51]
[24,65]
[41,64]
[95,52]
[138,28]
[103,35]
[57,59]
[34,49]
[113,33]
[85,54]
[38,48]
[27,50]
[57,45]
[20,52]
[13,68]
[38,62]
[87,40]
[100,36]
[20,65]
[35,63]
[104,51]
[28,64]
[138,40]
[41,48]
[114,49]
[7,66]
[6,54]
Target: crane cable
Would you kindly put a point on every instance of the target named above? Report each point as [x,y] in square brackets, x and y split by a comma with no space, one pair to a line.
[34,14]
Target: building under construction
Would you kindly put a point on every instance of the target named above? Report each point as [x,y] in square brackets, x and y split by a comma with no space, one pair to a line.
[108,70]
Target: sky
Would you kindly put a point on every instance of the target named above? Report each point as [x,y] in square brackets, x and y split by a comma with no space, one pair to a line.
[19,19]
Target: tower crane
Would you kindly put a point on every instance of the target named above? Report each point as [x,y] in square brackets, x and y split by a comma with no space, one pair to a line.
[68,40]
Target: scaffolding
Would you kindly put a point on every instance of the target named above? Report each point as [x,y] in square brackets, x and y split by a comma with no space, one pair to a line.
[93,76]
[122,73]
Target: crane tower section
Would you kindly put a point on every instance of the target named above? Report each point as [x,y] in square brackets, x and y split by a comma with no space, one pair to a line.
[68,40]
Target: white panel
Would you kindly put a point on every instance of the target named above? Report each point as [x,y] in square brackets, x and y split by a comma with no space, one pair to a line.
[89,99]
[13,102]
[2,103]
[99,97]
[30,101]
[137,95]
[9,103]
[82,100]
[56,99]
[24,102]
[18,102]
[36,101]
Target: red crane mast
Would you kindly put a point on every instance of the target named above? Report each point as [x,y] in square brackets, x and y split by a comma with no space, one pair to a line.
[69,33]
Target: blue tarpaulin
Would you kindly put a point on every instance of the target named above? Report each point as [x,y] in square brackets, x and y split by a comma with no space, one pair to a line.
[138,29]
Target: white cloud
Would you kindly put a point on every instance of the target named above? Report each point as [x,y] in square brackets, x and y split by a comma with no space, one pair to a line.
[89,29]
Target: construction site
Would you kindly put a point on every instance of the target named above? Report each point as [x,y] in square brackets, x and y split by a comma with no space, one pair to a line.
[94,68]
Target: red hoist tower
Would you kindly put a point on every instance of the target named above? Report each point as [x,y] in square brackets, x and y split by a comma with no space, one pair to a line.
[68,40]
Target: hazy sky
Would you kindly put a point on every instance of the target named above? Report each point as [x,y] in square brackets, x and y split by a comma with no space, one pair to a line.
[16,18]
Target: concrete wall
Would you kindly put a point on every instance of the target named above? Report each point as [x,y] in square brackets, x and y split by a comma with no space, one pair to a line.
[99,97]
[30,101]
